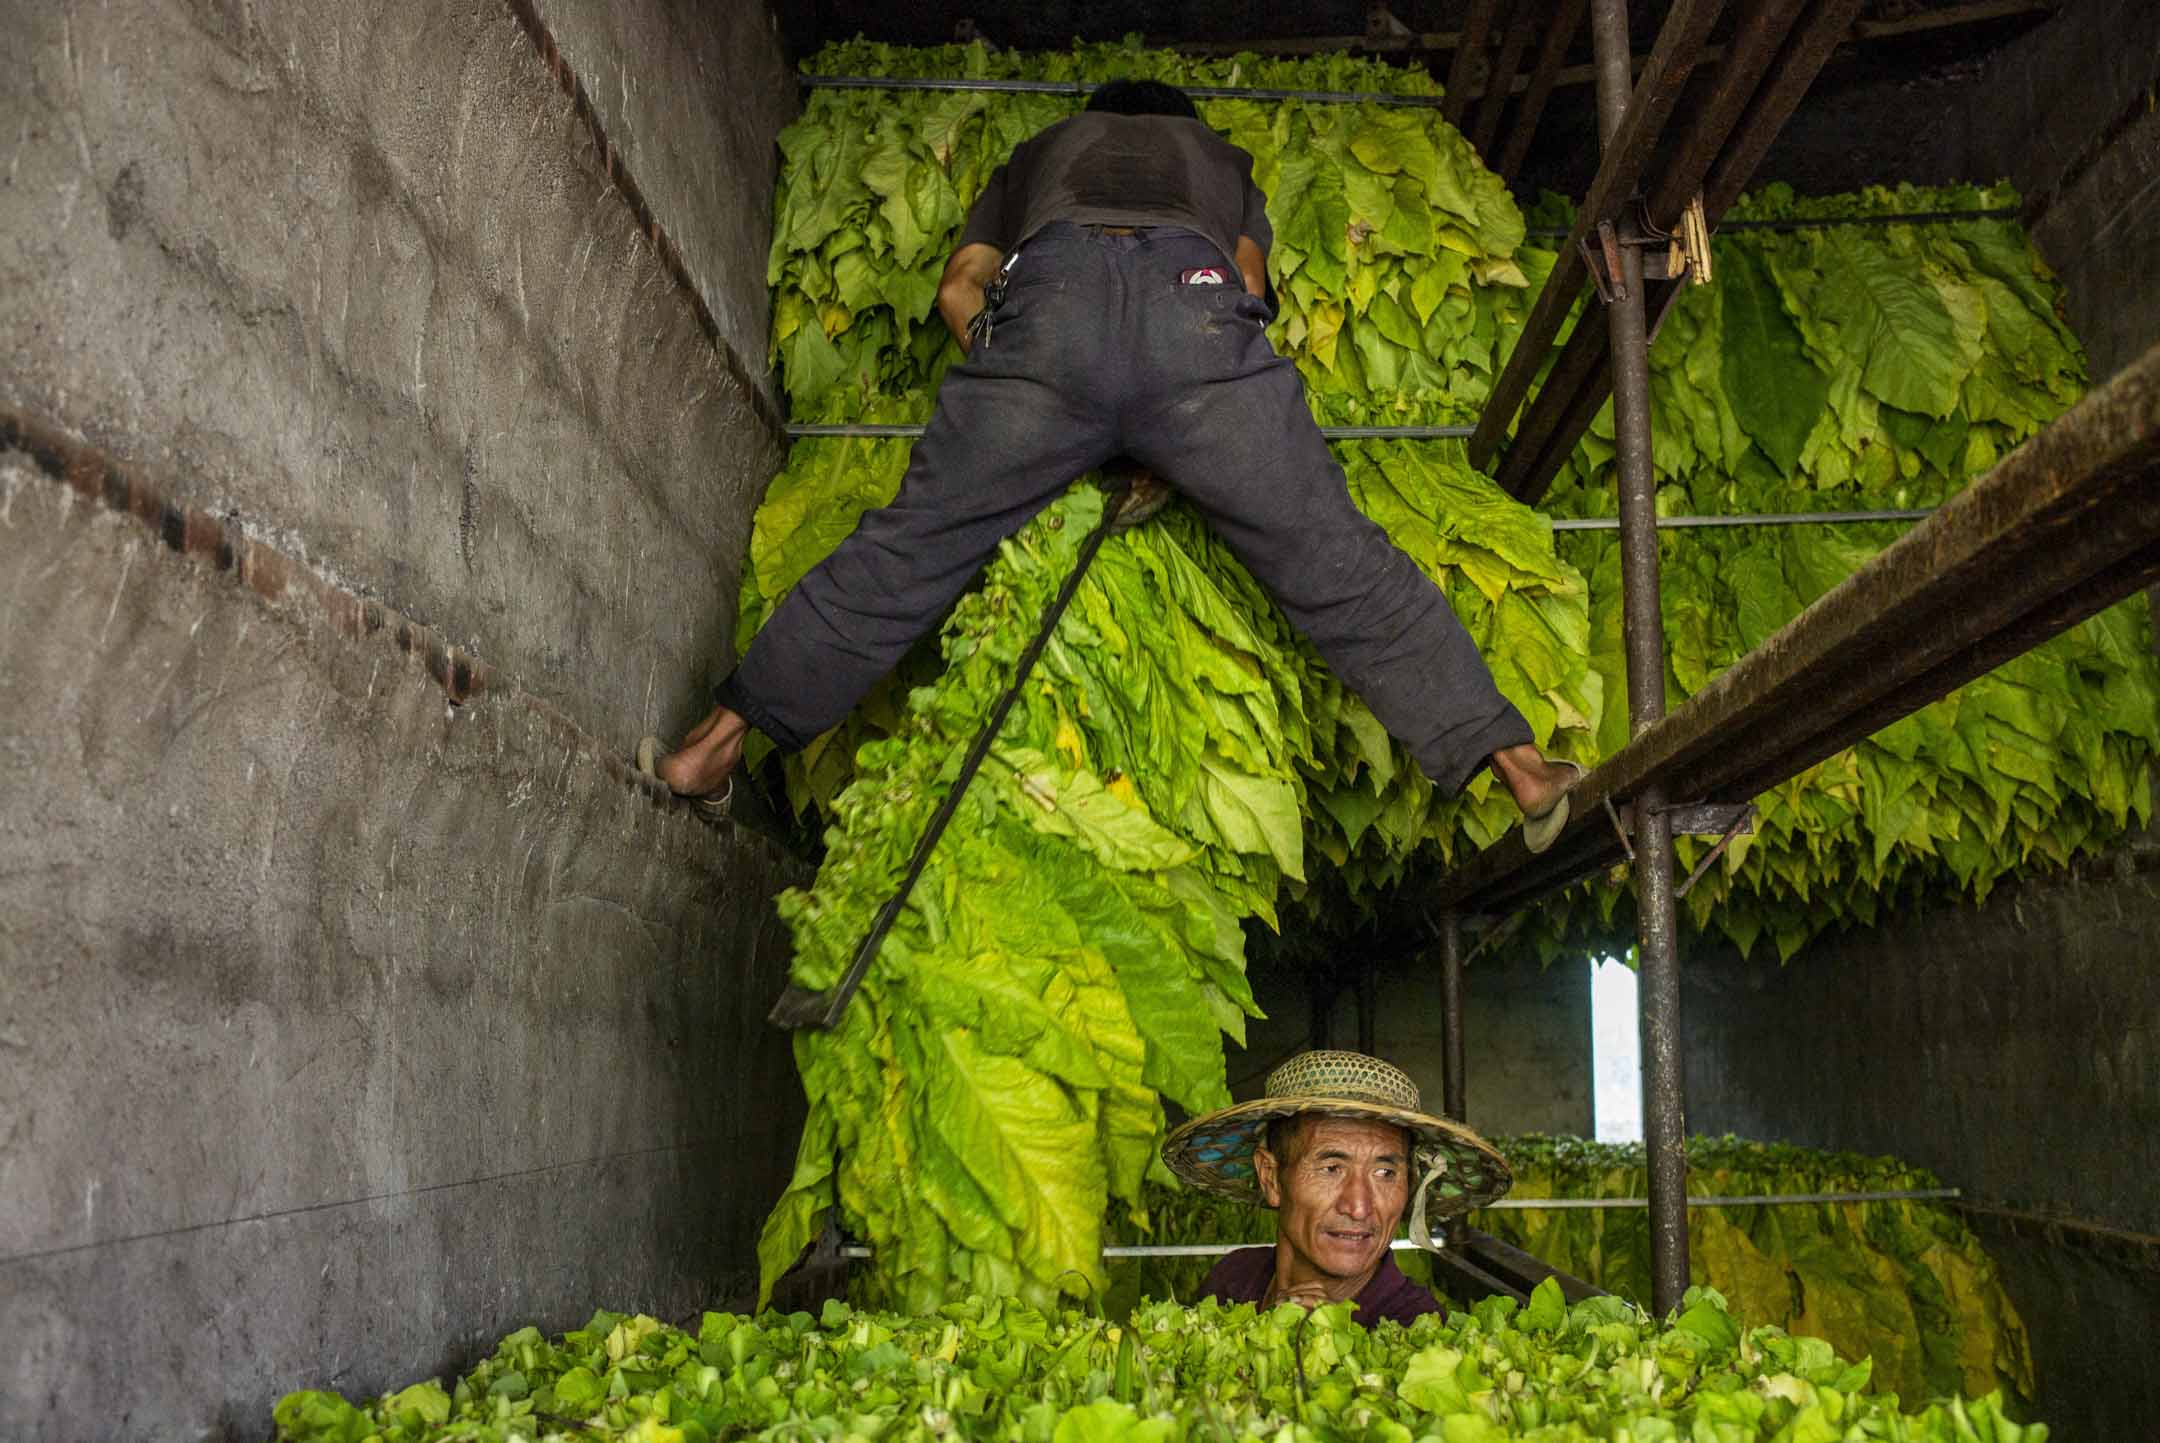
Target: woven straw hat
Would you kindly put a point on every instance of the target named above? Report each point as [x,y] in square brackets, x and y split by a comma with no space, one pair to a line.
[1457,1169]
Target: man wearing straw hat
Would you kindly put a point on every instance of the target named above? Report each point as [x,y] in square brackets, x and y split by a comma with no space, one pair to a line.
[1338,1146]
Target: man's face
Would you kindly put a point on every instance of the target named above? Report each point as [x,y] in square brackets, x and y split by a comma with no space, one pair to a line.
[1339,1193]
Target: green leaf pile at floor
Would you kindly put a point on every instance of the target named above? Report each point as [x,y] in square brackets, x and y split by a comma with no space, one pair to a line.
[998,1370]
[1904,1284]
[1854,367]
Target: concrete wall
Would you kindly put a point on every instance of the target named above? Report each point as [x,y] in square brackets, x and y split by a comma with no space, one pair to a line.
[2067,113]
[355,272]
[343,1029]
[2014,1048]
[1526,1039]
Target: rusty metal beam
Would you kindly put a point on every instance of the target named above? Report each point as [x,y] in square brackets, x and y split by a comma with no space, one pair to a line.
[1755,96]
[2059,529]
[1467,54]
[1949,17]
[1790,78]
[1501,82]
[1752,55]
[1561,34]
[1679,44]
[1475,1264]
[1574,391]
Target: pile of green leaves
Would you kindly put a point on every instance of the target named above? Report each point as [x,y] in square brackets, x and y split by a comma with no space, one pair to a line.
[1856,367]
[994,1369]
[1905,1284]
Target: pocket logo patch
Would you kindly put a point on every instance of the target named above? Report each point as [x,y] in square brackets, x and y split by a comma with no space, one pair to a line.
[1204,276]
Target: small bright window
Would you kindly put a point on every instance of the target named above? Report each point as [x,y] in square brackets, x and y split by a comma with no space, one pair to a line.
[1615,1051]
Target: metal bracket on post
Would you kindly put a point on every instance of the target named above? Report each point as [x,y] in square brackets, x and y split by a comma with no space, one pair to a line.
[1710,819]
[1743,821]
[1604,262]
[1666,255]
[1695,240]
[1693,819]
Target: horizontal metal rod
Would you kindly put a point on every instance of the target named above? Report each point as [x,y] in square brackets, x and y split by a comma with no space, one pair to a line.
[1442,433]
[1395,433]
[1950,16]
[1761,518]
[1785,1199]
[1333,433]
[1529,1204]
[1089,87]
[1919,217]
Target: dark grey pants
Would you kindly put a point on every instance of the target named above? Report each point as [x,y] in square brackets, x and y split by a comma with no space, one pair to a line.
[1098,352]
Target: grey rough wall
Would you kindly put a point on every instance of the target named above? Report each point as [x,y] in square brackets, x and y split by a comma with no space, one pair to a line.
[692,94]
[353,272]
[1526,1039]
[342,1030]
[2014,1048]
[2051,114]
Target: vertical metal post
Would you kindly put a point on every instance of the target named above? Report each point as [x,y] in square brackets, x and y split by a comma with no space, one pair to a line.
[1368,1006]
[1451,1032]
[1658,989]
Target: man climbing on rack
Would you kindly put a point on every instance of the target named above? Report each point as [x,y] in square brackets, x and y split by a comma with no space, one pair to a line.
[1108,295]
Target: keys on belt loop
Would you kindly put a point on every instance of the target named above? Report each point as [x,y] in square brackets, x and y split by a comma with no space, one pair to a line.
[993,296]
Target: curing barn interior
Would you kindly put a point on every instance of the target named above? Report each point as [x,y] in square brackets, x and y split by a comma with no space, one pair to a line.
[545,895]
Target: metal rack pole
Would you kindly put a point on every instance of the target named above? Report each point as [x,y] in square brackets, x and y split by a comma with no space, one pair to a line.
[1080,88]
[1451,1028]
[1664,1112]
[909,429]
[1368,1006]
[859,1252]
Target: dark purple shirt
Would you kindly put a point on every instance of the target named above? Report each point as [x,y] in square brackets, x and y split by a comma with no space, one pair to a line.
[1245,1276]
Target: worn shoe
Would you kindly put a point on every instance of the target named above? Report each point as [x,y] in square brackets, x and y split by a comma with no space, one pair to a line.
[648,760]
[1541,829]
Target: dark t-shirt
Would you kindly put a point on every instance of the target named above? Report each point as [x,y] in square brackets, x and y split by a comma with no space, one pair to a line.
[1138,170]
[1245,1276]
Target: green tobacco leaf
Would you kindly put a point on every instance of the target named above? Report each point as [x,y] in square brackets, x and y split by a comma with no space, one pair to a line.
[1028,1148]
[1071,803]
[1777,392]
[1310,214]
[812,363]
[1893,326]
